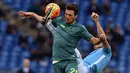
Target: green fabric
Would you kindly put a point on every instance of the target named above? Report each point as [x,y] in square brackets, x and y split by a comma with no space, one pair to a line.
[66,38]
[68,66]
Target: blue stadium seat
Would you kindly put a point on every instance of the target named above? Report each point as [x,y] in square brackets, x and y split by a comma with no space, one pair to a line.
[17,48]
[3,25]
[12,55]
[25,54]
[84,46]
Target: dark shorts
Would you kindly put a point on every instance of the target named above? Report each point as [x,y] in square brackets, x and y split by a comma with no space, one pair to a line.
[66,66]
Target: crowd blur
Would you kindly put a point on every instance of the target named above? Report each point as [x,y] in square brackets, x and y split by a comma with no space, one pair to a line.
[38,42]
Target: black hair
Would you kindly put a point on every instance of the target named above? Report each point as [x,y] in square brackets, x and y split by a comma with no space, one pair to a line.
[73,7]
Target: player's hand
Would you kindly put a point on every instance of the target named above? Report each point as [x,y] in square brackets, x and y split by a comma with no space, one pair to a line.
[25,14]
[95,16]
[98,46]
[102,37]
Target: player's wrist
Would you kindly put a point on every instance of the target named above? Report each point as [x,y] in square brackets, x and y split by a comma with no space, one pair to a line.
[97,21]
[33,14]
[43,19]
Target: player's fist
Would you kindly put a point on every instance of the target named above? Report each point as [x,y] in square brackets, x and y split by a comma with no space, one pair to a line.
[25,14]
[102,37]
[95,16]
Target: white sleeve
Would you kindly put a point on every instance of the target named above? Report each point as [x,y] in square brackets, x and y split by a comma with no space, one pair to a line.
[79,58]
[81,67]
[50,27]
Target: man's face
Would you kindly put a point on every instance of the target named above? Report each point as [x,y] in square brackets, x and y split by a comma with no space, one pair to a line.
[70,16]
[26,63]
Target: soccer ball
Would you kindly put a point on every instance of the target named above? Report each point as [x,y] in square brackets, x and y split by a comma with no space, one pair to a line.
[55,9]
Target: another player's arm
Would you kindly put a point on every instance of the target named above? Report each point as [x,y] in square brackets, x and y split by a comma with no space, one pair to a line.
[39,18]
[104,41]
[95,17]
[32,14]
[101,32]
[94,40]
[89,37]
[36,16]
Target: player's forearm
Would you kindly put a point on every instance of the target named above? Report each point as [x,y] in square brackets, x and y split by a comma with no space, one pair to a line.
[99,28]
[105,43]
[37,17]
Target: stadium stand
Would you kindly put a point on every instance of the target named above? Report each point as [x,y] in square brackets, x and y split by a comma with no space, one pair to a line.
[12,53]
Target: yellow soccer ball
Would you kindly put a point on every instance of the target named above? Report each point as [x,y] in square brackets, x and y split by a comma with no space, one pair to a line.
[55,11]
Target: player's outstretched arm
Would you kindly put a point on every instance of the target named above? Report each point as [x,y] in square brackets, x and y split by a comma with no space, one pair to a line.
[31,14]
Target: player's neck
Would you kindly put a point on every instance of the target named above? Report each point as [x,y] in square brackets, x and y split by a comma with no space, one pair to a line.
[74,22]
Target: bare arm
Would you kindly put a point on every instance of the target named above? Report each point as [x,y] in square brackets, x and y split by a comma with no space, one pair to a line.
[101,32]
[104,41]
[95,17]
[95,41]
[39,18]
[31,14]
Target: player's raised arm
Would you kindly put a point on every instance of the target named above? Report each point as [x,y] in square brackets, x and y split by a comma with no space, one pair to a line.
[31,14]
[104,41]
[101,32]
[95,17]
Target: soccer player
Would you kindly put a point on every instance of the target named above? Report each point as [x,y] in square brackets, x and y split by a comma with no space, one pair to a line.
[96,61]
[66,37]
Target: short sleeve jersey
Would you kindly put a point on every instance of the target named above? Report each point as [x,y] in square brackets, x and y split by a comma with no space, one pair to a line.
[66,38]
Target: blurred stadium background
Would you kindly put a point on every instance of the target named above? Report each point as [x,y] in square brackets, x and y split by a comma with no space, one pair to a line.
[22,38]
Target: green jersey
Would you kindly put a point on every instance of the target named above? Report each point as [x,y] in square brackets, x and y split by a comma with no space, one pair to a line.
[66,38]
